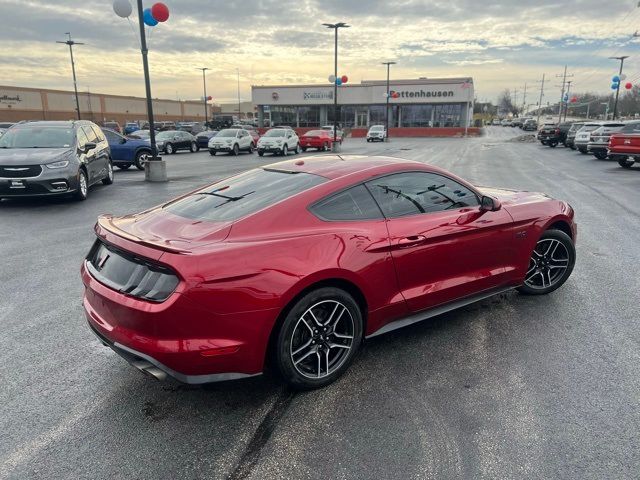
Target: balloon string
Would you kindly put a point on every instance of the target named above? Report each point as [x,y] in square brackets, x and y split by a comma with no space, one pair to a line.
[133,30]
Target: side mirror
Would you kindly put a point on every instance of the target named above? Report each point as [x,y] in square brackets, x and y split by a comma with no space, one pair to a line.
[123,140]
[89,146]
[490,204]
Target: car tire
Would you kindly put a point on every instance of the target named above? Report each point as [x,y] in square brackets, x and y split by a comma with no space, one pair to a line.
[572,147]
[600,155]
[625,163]
[212,153]
[235,151]
[124,166]
[108,180]
[297,149]
[550,264]
[260,154]
[583,151]
[251,147]
[169,149]
[142,157]
[194,147]
[304,149]
[325,324]
[285,150]
[325,146]
[552,144]
[543,142]
[83,186]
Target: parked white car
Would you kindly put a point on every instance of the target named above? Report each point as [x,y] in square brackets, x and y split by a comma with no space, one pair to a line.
[231,140]
[279,141]
[330,129]
[376,132]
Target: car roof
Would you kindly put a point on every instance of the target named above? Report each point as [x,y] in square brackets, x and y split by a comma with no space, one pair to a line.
[336,166]
[53,123]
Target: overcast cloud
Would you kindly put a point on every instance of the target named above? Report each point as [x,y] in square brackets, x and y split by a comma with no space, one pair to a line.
[501,44]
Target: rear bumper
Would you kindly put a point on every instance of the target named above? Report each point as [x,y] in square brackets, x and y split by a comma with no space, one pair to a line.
[178,338]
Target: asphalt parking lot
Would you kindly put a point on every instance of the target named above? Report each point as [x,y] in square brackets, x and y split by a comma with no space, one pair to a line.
[513,387]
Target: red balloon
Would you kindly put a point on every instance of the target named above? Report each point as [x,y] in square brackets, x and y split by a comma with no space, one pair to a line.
[209,97]
[629,86]
[160,12]
[344,79]
[396,95]
[574,99]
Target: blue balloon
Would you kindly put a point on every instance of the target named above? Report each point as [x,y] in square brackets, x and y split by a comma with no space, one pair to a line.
[614,86]
[616,79]
[338,81]
[148,18]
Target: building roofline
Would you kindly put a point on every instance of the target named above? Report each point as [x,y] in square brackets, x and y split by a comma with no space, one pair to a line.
[369,83]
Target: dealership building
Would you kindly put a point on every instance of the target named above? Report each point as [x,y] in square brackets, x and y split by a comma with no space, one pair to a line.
[423,103]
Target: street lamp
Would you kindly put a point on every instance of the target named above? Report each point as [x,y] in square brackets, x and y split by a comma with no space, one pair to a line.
[388,64]
[239,109]
[335,27]
[615,104]
[71,43]
[204,84]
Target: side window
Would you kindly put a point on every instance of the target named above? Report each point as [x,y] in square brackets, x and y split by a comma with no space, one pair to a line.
[98,131]
[112,137]
[355,203]
[82,137]
[91,135]
[411,193]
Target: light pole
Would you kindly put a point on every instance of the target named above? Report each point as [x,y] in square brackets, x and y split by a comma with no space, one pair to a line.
[615,104]
[239,109]
[388,64]
[71,43]
[155,169]
[335,27]
[204,84]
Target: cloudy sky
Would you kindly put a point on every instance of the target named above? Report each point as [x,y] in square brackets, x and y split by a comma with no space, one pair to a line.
[501,44]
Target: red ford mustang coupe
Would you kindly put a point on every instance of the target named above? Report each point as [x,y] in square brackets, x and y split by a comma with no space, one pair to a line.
[298,262]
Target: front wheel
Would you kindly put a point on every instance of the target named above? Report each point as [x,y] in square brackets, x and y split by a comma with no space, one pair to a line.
[318,338]
[551,263]
[212,153]
[600,155]
[83,186]
[194,147]
[296,150]
[169,149]
[141,158]
[285,150]
[625,163]
[236,150]
[108,180]
[260,153]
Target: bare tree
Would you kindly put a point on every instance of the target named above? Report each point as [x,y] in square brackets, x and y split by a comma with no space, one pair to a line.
[505,104]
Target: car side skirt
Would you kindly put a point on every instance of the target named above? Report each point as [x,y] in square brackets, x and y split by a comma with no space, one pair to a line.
[433,312]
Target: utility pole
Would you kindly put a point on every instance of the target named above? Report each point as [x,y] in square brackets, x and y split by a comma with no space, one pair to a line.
[335,27]
[615,104]
[71,43]
[239,109]
[566,106]
[524,98]
[386,133]
[204,99]
[564,82]
[541,95]
[515,98]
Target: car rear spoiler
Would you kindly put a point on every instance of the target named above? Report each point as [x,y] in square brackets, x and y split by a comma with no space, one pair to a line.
[105,222]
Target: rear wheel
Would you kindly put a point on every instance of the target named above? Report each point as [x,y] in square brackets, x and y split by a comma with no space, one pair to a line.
[304,149]
[551,263]
[212,153]
[325,146]
[194,147]
[124,166]
[552,144]
[319,338]
[296,150]
[169,149]
[583,151]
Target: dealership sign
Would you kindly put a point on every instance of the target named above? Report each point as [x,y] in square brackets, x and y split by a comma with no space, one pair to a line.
[318,95]
[421,93]
[10,99]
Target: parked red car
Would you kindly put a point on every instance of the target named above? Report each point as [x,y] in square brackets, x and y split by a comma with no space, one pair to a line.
[299,261]
[319,139]
[624,147]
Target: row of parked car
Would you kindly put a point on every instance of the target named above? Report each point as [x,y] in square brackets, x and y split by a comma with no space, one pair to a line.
[615,140]
[524,123]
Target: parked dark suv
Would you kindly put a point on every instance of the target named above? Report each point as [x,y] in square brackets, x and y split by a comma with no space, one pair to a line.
[552,135]
[53,158]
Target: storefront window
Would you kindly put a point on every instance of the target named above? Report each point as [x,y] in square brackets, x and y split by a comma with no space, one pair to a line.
[377,115]
[309,116]
[417,115]
[447,115]
[283,116]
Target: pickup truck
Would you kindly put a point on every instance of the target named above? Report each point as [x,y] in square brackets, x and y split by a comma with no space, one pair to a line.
[624,146]
[552,135]
[599,139]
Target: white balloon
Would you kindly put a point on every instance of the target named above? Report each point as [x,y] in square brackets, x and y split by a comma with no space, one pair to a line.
[622,76]
[122,8]
[332,78]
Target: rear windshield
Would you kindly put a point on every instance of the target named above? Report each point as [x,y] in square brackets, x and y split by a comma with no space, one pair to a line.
[589,128]
[243,195]
[631,128]
[315,133]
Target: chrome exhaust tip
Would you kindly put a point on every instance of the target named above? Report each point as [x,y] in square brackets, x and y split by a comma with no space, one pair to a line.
[150,369]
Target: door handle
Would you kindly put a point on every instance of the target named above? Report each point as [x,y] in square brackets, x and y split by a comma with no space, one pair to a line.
[411,241]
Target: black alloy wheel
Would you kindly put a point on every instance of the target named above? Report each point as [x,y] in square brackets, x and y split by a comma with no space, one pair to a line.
[550,265]
[318,338]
